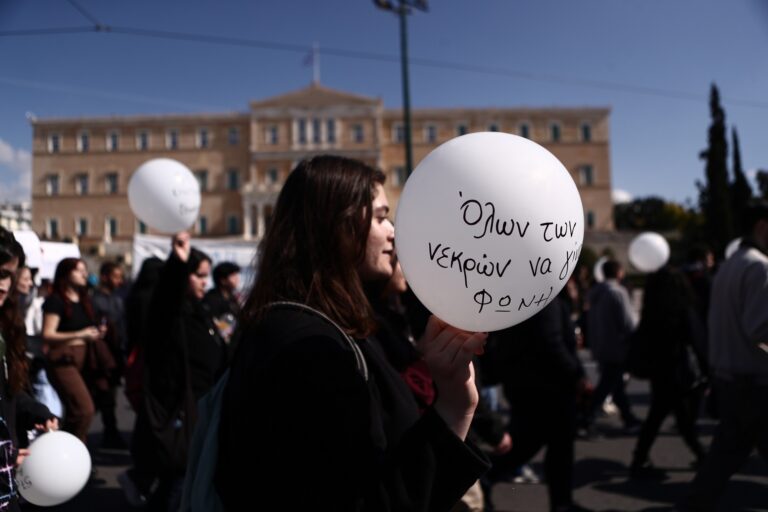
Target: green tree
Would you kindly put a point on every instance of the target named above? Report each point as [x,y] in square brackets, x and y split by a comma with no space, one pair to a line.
[650,213]
[714,196]
[762,182]
[741,192]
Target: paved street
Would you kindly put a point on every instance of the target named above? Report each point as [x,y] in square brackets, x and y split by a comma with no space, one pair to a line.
[601,473]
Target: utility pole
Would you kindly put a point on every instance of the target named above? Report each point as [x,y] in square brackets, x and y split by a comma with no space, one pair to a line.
[402,9]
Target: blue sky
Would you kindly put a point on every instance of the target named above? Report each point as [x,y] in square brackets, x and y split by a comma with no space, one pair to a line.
[573,50]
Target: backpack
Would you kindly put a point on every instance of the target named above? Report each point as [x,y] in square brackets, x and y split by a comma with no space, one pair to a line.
[199,492]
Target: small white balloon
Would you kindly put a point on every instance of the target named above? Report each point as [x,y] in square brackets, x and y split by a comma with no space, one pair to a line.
[732,247]
[648,252]
[56,469]
[489,228]
[165,195]
[597,270]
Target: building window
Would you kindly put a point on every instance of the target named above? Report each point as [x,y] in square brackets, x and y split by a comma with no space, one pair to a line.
[554,132]
[493,127]
[586,132]
[358,135]
[461,129]
[330,127]
[172,139]
[202,225]
[113,141]
[430,133]
[233,136]
[302,131]
[111,226]
[52,228]
[81,226]
[233,225]
[398,133]
[233,179]
[586,175]
[399,176]
[81,184]
[142,140]
[202,179]
[52,185]
[141,227]
[83,142]
[272,176]
[111,182]
[203,138]
[54,143]
[316,131]
[591,219]
[273,135]
[525,130]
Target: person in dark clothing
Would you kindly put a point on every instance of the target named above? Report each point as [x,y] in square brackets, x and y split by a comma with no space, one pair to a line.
[19,412]
[670,324]
[109,309]
[298,404]
[541,378]
[137,481]
[184,359]
[222,300]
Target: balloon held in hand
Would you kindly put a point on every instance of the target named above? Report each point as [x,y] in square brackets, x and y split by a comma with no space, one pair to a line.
[489,228]
[165,195]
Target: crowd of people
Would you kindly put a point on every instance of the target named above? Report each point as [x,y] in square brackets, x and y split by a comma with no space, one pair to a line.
[344,393]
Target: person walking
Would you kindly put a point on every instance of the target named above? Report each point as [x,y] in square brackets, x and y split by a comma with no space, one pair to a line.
[738,358]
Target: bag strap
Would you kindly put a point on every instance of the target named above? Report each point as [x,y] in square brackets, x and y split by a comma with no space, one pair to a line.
[359,358]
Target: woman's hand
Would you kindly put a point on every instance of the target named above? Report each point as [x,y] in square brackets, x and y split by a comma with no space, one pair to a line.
[49,425]
[181,246]
[448,352]
[89,333]
[23,453]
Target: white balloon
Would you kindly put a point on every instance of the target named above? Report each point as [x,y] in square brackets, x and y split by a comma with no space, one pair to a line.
[165,195]
[489,228]
[732,247]
[597,270]
[648,252]
[56,469]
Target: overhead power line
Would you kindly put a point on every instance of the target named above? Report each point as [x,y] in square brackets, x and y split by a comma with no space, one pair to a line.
[381,57]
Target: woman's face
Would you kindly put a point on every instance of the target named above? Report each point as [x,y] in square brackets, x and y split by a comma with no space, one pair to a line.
[198,280]
[5,289]
[380,247]
[24,282]
[79,276]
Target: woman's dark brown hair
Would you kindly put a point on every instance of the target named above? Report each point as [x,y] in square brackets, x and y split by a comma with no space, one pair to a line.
[61,283]
[14,333]
[316,242]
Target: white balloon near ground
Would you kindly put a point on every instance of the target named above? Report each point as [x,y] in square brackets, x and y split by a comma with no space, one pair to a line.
[165,195]
[597,270]
[732,247]
[648,252]
[489,228]
[55,471]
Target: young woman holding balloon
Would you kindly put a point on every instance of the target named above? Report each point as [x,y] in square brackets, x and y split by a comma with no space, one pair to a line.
[18,410]
[312,406]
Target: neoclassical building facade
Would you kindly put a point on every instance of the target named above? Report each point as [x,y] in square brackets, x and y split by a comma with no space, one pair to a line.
[82,166]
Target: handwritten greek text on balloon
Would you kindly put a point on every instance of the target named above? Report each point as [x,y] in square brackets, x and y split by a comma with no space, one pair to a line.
[484,298]
[449,258]
[558,230]
[473,212]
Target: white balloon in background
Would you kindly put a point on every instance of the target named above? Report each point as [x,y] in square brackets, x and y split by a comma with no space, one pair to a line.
[489,229]
[732,247]
[648,252]
[597,270]
[56,469]
[164,194]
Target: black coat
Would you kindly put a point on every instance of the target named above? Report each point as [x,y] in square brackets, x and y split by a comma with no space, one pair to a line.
[298,413]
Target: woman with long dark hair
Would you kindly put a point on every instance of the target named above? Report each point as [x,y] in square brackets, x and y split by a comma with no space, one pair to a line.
[69,326]
[670,325]
[18,411]
[312,408]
